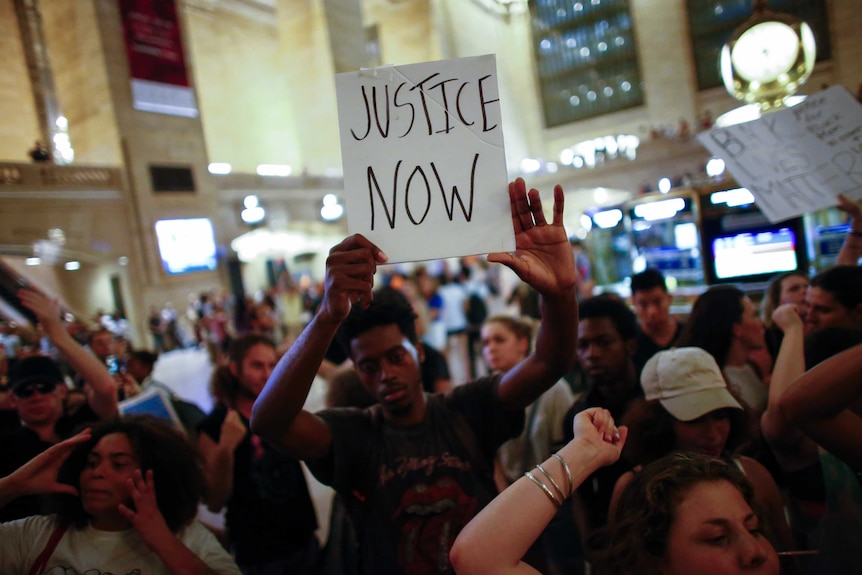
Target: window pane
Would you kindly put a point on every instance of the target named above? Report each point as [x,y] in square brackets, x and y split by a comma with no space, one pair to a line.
[586,58]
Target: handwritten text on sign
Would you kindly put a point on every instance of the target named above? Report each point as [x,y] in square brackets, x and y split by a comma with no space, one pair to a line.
[796,160]
[424,165]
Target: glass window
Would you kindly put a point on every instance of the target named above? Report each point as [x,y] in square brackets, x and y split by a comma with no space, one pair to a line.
[713,21]
[586,58]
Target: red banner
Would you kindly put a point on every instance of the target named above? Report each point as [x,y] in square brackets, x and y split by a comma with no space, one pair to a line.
[154,46]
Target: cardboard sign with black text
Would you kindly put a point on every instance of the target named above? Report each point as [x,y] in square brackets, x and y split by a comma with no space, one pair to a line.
[424,164]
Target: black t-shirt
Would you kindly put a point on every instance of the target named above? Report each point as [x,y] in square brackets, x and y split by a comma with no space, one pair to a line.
[433,368]
[411,489]
[269,512]
[597,489]
[20,445]
[647,347]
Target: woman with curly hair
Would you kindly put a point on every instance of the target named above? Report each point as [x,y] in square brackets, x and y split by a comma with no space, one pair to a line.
[686,513]
[128,495]
[687,407]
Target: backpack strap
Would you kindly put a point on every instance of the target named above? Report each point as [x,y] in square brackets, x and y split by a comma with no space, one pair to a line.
[42,560]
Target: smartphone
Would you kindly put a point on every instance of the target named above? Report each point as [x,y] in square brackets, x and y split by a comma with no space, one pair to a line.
[113,364]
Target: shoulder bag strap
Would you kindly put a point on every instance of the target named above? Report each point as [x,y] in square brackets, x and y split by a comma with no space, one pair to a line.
[42,560]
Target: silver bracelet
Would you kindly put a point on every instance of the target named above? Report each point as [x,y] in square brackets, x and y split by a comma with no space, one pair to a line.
[569,487]
[544,488]
[553,483]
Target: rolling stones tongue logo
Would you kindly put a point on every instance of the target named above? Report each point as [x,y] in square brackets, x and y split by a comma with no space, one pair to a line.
[431,516]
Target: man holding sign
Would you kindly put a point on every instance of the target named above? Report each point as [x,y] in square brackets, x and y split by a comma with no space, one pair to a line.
[415,468]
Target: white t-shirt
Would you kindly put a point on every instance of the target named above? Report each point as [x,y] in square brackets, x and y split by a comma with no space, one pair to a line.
[93,552]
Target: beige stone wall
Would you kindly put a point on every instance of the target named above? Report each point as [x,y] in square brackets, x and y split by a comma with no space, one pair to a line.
[81,81]
[242,90]
[309,73]
[405,30]
[19,127]
[845,23]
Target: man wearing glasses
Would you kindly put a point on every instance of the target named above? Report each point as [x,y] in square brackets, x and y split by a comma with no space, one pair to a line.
[39,391]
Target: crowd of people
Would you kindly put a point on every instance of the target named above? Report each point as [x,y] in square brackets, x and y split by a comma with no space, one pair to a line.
[582,434]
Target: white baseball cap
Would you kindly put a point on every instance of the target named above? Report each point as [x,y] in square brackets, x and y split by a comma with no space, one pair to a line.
[687,382]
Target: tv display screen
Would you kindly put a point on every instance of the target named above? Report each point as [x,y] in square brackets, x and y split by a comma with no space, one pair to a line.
[186,245]
[753,253]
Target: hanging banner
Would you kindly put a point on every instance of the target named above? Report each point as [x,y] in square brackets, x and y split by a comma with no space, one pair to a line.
[424,165]
[154,50]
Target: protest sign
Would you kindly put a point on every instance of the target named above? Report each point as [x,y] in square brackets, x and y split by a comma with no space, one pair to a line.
[424,165]
[799,159]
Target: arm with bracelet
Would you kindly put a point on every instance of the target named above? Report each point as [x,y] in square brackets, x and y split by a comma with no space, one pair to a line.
[851,249]
[494,542]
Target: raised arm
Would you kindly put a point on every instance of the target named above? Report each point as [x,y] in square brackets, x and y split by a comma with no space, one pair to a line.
[278,415]
[494,541]
[851,249]
[792,448]
[219,460]
[543,259]
[818,401]
[39,475]
[101,389]
[150,524]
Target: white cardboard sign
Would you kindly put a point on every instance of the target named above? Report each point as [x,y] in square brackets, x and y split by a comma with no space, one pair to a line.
[799,159]
[424,164]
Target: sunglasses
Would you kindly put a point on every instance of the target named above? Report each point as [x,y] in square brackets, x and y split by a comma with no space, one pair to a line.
[27,390]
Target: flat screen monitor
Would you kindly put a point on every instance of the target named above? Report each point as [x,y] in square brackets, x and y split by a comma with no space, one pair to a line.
[748,254]
[186,245]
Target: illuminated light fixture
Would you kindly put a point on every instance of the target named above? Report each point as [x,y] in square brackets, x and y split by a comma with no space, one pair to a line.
[123,261]
[664,185]
[73,266]
[280,170]
[530,165]
[608,218]
[253,212]
[220,168]
[714,167]
[551,167]
[597,151]
[33,261]
[733,198]
[331,209]
[751,112]
[660,210]
[57,235]
[586,222]
[62,123]
[600,196]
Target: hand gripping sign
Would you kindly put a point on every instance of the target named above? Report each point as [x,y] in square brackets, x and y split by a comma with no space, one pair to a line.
[424,163]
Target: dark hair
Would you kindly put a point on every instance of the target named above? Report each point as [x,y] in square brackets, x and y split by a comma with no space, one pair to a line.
[772,295]
[710,324]
[177,473]
[651,433]
[144,356]
[648,279]
[636,540]
[522,327]
[844,283]
[346,390]
[388,306]
[824,343]
[224,385]
[91,335]
[617,311]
